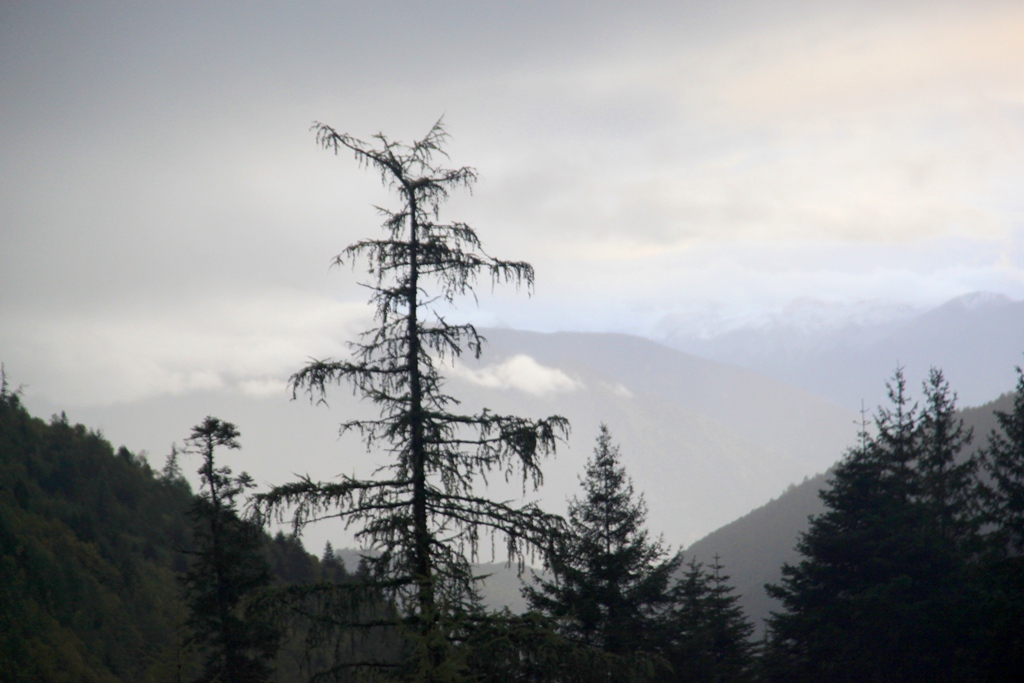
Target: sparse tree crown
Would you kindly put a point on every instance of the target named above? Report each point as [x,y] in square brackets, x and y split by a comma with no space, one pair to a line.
[422,515]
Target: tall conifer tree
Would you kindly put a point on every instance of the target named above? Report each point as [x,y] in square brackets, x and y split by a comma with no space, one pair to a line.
[883,589]
[1004,461]
[423,516]
[1004,512]
[947,469]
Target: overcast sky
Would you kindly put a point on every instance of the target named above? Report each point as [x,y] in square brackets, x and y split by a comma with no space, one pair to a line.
[168,220]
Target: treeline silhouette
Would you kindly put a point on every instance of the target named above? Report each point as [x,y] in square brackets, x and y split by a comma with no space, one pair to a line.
[913,572]
[113,571]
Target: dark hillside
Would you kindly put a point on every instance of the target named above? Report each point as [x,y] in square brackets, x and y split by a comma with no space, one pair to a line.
[755,546]
[90,541]
[91,544]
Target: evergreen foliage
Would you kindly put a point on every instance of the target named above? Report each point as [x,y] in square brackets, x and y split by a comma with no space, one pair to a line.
[228,569]
[529,648]
[1003,502]
[913,572]
[91,543]
[171,471]
[1004,462]
[422,516]
[947,470]
[610,581]
[884,589]
[709,635]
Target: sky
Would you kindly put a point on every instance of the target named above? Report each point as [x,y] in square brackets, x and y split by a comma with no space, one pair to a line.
[168,220]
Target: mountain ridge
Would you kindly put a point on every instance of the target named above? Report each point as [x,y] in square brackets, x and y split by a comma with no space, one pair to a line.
[976,338]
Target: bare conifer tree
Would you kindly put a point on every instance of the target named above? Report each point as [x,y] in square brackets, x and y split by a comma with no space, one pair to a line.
[422,515]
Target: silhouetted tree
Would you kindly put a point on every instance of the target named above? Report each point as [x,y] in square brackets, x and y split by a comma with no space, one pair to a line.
[228,569]
[1004,461]
[884,589]
[1004,513]
[423,516]
[947,470]
[171,471]
[709,635]
[610,581]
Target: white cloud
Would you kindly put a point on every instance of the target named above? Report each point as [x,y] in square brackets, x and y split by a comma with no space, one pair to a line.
[619,390]
[522,373]
[815,68]
[239,343]
[837,126]
[263,386]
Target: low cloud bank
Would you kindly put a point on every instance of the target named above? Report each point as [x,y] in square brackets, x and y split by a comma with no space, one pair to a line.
[522,373]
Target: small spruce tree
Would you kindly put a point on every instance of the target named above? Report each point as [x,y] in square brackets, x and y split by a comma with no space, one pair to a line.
[171,471]
[609,585]
[709,635]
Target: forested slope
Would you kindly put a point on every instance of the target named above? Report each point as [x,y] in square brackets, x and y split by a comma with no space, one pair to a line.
[91,543]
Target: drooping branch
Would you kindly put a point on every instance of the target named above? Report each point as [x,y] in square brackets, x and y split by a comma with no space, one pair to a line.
[424,515]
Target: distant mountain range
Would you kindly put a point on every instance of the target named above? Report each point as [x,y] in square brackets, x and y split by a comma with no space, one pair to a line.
[704,441]
[976,339]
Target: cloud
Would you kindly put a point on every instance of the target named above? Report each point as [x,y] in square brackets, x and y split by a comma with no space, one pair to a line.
[890,127]
[522,373]
[646,161]
[248,343]
[818,67]
[263,386]
[619,390]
